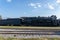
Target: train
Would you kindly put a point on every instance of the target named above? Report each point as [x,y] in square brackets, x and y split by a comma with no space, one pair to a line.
[31,21]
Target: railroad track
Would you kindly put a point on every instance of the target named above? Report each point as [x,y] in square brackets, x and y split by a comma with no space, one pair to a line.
[25,31]
[30,31]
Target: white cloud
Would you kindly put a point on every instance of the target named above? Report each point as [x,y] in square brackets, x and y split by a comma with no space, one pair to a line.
[9,0]
[58,1]
[39,5]
[35,5]
[51,6]
[32,4]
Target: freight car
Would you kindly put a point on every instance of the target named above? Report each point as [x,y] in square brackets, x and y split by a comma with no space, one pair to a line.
[31,21]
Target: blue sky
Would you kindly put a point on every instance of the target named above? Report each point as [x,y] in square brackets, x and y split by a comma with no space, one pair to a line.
[20,8]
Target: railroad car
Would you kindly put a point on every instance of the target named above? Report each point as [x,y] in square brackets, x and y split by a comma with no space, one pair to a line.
[14,21]
[10,22]
[3,22]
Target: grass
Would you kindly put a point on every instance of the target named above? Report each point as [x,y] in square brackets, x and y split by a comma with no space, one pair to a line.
[1,38]
[32,27]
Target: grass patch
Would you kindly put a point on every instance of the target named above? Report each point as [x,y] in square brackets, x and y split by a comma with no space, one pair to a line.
[1,38]
[32,27]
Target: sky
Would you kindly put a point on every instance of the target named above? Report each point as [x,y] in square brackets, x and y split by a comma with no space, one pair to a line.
[29,8]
